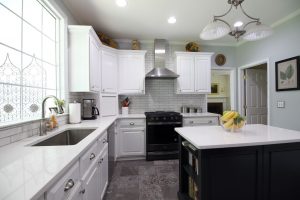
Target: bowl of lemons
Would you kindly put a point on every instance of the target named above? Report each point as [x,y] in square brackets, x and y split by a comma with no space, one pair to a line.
[232,121]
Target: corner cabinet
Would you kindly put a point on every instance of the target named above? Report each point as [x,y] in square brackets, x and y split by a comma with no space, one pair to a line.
[109,70]
[84,59]
[194,70]
[131,72]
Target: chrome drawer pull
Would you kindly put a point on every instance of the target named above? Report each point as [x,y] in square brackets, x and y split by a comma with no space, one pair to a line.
[70,183]
[92,156]
[210,121]
[131,123]
[82,191]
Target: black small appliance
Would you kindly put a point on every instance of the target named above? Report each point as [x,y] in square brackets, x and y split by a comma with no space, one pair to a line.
[89,111]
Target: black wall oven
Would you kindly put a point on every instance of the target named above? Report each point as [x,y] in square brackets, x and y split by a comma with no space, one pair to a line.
[161,138]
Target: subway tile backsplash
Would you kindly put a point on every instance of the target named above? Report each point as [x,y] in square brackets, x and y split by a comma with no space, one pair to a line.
[161,95]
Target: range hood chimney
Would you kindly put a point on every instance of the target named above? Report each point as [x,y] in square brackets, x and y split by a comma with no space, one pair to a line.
[160,71]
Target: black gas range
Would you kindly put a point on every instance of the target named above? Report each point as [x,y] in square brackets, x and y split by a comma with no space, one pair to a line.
[161,138]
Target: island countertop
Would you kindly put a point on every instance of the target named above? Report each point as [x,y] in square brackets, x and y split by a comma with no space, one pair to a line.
[212,137]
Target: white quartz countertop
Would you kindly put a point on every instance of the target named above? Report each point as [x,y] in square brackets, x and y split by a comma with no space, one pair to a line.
[207,114]
[26,172]
[211,137]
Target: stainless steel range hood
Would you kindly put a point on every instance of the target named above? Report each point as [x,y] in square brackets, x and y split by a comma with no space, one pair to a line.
[160,71]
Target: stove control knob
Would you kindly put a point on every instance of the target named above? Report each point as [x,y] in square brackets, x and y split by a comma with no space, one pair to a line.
[151,118]
[172,118]
[164,118]
[156,118]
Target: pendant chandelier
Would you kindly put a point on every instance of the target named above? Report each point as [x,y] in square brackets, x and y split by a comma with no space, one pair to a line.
[251,31]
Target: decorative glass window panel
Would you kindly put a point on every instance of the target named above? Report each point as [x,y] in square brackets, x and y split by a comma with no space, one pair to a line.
[28,66]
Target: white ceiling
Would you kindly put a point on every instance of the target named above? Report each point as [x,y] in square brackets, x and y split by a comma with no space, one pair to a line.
[147,19]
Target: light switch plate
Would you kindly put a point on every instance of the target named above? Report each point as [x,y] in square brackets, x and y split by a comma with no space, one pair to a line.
[280,104]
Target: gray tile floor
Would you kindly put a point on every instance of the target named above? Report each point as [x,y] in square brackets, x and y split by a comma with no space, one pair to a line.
[144,180]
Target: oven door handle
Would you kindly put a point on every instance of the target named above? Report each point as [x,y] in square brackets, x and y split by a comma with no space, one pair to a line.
[163,123]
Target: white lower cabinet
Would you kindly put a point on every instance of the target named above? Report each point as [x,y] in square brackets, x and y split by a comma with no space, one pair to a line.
[132,142]
[91,184]
[103,169]
[87,179]
[131,138]
[62,189]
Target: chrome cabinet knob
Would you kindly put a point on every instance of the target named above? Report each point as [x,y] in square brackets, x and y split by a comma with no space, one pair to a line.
[104,141]
[191,122]
[92,156]
[210,121]
[131,123]
[70,183]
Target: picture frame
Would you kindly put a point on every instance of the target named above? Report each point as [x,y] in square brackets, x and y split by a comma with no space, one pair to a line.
[287,74]
[214,88]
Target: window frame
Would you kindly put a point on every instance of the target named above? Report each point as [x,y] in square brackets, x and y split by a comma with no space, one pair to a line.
[61,57]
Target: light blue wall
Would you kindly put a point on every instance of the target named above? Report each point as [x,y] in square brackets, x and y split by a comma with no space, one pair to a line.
[284,43]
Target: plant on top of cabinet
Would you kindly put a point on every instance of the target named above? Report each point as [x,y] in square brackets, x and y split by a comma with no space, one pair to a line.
[84,59]
[194,70]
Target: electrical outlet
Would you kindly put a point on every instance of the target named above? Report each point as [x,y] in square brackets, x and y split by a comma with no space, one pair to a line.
[280,104]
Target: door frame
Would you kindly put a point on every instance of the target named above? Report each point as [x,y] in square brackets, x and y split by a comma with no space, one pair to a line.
[231,71]
[241,85]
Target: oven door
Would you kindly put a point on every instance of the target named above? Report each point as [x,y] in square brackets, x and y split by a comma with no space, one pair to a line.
[162,136]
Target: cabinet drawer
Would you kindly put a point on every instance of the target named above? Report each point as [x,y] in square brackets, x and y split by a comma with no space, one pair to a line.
[132,123]
[102,141]
[88,159]
[65,186]
[201,121]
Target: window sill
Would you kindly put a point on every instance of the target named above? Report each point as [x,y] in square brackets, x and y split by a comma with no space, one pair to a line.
[23,122]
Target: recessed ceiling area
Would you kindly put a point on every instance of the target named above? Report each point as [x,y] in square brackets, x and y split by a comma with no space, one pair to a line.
[146,20]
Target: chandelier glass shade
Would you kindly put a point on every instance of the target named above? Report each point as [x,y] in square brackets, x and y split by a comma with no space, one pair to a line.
[251,31]
[214,30]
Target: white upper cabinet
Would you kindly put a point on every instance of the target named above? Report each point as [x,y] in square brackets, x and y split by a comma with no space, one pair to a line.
[194,70]
[109,71]
[84,59]
[131,72]
[186,70]
[203,74]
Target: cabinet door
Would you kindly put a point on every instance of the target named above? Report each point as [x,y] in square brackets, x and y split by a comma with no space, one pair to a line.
[91,185]
[109,72]
[281,171]
[185,70]
[132,142]
[202,74]
[131,74]
[108,105]
[95,58]
[104,172]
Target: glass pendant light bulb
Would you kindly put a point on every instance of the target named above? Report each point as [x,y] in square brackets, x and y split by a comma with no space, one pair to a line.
[214,31]
[257,32]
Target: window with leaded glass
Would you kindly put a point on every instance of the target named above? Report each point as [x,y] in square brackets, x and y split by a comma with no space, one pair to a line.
[28,58]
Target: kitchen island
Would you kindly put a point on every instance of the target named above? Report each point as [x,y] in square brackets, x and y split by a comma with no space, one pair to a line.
[258,163]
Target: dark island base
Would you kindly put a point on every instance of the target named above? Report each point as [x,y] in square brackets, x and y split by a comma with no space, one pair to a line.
[268,172]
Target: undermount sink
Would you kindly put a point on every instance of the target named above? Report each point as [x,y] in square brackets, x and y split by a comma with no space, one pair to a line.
[68,137]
